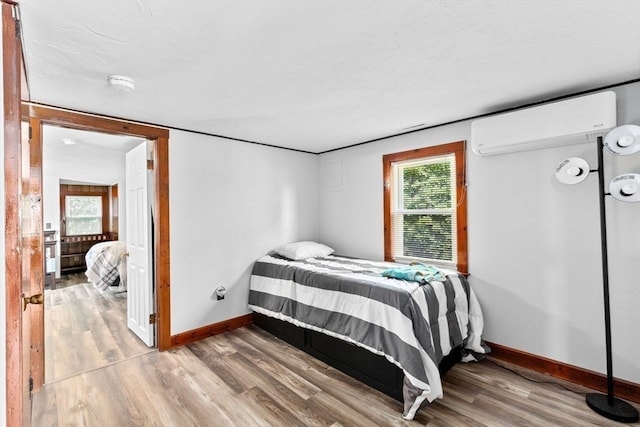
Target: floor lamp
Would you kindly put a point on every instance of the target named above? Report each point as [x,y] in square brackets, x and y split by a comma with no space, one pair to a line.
[622,140]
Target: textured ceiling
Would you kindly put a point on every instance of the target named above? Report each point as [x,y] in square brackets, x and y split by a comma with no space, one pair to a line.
[54,138]
[319,75]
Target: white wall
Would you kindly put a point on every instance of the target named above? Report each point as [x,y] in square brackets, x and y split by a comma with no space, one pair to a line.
[534,248]
[230,204]
[83,163]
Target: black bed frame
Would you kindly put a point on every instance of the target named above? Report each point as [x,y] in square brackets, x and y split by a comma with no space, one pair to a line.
[369,368]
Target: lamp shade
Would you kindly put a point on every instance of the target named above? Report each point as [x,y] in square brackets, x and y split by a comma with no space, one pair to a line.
[623,140]
[626,187]
[572,170]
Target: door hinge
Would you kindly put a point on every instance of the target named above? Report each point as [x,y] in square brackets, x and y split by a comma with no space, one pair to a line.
[150,165]
[30,384]
[30,133]
[18,31]
[152,318]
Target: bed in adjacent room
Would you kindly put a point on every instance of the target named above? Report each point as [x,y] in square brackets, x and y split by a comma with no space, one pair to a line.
[413,324]
[107,266]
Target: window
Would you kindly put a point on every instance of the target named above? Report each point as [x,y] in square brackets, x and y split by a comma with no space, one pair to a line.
[83,215]
[84,210]
[425,206]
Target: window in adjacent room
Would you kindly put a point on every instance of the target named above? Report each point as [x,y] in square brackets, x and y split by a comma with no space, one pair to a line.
[84,210]
[425,206]
[83,215]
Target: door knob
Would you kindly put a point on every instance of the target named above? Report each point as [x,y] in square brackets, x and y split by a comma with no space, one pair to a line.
[33,299]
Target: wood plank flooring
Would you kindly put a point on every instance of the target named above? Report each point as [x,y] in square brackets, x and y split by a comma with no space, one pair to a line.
[247,377]
[85,329]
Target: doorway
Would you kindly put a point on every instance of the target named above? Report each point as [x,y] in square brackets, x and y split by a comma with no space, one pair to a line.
[85,216]
[40,116]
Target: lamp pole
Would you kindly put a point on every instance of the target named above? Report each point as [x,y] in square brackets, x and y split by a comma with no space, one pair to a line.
[607,405]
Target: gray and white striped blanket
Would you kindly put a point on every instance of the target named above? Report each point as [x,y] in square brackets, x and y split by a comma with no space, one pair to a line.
[413,325]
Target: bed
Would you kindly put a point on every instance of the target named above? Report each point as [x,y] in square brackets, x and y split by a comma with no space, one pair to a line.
[414,325]
[107,266]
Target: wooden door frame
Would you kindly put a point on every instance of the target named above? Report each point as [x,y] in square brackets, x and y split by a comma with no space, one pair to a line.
[13,256]
[40,115]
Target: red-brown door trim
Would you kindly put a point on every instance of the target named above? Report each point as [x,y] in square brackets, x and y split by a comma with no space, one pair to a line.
[11,64]
[159,138]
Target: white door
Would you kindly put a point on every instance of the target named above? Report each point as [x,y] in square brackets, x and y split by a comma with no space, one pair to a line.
[140,301]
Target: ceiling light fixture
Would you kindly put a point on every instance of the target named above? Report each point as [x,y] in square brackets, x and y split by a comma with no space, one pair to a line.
[122,83]
[69,141]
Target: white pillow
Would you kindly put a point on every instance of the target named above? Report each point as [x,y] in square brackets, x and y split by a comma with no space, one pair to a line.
[304,250]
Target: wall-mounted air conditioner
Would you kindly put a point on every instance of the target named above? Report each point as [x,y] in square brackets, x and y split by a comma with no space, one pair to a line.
[571,121]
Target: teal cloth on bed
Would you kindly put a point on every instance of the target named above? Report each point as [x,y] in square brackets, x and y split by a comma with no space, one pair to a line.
[415,273]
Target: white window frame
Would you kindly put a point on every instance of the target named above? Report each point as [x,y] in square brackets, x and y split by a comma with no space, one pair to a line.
[69,217]
[399,210]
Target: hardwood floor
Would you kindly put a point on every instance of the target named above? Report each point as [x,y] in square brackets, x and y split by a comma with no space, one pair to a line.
[85,329]
[70,280]
[247,377]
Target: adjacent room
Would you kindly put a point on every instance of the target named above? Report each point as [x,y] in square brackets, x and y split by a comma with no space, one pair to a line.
[85,221]
[291,212]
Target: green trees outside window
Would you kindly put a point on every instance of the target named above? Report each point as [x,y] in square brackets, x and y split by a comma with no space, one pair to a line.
[425,208]
[425,202]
